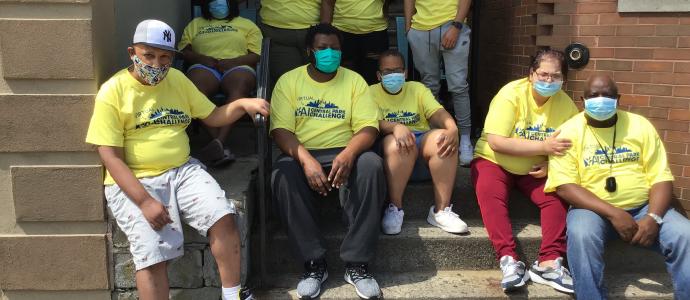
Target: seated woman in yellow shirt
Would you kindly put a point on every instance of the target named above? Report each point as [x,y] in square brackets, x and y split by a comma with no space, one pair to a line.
[411,149]
[222,49]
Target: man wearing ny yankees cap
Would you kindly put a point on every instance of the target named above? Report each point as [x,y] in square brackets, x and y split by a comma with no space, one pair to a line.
[152,184]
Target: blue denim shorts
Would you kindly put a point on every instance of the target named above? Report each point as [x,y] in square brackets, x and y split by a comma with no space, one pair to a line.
[220,76]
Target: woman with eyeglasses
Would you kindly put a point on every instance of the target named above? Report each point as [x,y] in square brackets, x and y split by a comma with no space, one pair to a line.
[519,134]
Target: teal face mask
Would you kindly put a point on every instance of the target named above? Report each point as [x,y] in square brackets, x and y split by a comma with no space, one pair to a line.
[547,89]
[327,60]
[219,9]
[393,82]
[601,108]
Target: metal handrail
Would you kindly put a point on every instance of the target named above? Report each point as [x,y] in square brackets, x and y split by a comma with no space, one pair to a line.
[264,152]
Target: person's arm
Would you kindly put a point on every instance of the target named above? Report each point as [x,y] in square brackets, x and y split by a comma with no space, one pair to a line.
[522,147]
[192,58]
[343,162]
[404,138]
[448,141]
[290,145]
[327,7]
[231,112]
[153,210]
[249,59]
[409,11]
[450,38]
[659,201]
[580,197]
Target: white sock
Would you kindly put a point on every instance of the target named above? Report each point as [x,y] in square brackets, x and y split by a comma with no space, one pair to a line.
[232,293]
[465,138]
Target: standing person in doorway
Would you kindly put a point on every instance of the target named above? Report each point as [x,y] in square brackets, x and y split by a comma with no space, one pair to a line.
[436,31]
[222,49]
[364,26]
[519,133]
[286,22]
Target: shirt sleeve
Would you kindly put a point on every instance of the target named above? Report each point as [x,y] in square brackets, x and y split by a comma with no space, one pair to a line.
[500,120]
[429,103]
[654,157]
[563,169]
[187,36]
[254,38]
[106,128]
[365,112]
[282,107]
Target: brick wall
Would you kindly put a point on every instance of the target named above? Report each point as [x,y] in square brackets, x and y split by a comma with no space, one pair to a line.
[648,54]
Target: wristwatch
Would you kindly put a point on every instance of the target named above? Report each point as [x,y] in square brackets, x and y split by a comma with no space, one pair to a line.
[656,218]
[457,25]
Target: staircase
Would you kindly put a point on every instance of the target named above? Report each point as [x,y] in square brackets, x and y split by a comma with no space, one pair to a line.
[423,262]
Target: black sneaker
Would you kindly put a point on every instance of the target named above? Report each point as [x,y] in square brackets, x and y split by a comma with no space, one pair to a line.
[315,273]
[246,294]
[357,274]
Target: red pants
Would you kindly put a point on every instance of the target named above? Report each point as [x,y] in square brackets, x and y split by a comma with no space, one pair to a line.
[492,185]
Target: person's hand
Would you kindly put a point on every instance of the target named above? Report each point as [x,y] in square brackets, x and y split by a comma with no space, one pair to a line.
[226,64]
[342,165]
[155,213]
[315,177]
[647,232]
[540,170]
[552,145]
[408,25]
[624,224]
[447,143]
[404,138]
[450,38]
[255,106]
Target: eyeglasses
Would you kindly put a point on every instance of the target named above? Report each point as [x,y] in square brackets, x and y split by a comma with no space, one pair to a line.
[545,76]
[391,71]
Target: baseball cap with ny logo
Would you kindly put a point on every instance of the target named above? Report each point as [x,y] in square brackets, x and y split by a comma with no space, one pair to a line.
[155,34]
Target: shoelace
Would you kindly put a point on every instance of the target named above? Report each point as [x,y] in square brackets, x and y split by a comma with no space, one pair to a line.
[359,272]
[449,211]
[510,268]
[315,272]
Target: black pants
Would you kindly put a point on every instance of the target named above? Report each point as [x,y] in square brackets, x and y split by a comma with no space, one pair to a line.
[361,52]
[361,199]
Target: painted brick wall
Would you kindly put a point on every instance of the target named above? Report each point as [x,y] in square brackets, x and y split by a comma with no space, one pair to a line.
[648,54]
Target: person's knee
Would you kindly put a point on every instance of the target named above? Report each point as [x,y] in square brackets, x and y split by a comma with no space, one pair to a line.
[369,163]
[391,148]
[285,170]
[224,225]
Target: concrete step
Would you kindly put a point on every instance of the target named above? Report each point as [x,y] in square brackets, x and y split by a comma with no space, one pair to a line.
[422,247]
[467,285]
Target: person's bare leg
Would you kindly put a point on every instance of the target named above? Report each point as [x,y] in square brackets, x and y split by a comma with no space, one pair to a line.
[236,85]
[207,83]
[152,282]
[225,247]
[398,167]
[442,170]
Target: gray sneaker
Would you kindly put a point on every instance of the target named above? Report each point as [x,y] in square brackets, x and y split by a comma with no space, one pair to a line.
[315,273]
[365,284]
[557,277]
[514,275]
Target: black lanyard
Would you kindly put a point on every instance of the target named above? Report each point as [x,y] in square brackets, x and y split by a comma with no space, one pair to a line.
[610,185]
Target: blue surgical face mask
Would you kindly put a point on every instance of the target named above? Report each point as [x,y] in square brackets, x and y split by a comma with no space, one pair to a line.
[327,60]
[219,9]
[393,82]
[547,89]
[600,108]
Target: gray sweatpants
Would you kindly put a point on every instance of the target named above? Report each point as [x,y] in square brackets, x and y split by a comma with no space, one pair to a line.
[361,199]
[427,52]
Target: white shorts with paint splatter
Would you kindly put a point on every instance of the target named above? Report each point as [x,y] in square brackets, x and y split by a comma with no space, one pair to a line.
[189,193]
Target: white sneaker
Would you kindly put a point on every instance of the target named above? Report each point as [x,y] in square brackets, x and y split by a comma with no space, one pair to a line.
[392,219]
[466,151]
[447,220]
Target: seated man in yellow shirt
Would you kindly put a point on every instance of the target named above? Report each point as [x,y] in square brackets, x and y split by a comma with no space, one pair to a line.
[325,121]
[152,184]
[618,182]
[411,148]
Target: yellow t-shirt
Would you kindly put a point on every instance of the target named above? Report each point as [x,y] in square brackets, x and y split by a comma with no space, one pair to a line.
[222,39]
[514,114]
[412,107]
[359,16]
[639,160]
[323,114]
[433,13]
[147,121]
[290,14]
